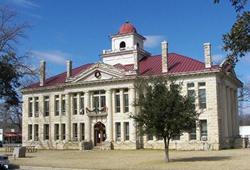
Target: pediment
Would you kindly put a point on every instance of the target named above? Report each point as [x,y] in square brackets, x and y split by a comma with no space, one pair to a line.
[99,71]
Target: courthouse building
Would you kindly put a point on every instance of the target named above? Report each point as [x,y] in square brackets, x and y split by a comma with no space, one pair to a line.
[92,103]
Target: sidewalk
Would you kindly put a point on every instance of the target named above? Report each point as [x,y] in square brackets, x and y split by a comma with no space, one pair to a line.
[47,168]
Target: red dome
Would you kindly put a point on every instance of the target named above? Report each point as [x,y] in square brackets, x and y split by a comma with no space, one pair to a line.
[127,28]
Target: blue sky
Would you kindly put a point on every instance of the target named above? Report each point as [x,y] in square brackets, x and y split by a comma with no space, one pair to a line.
[79,30]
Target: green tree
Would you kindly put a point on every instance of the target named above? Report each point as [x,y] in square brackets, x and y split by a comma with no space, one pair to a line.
[163,111]
[14,71]
[237,40]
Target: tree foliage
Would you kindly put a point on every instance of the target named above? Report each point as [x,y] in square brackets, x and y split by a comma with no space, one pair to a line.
[237,40]
[163,111]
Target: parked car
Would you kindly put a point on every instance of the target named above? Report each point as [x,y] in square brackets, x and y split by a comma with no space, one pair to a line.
[4,162]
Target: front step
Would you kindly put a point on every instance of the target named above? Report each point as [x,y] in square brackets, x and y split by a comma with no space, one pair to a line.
[103,146]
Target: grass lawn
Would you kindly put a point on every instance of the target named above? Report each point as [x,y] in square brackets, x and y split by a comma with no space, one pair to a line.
[139,159]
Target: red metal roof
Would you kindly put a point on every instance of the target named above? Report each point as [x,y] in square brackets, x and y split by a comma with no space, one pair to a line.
[148,66]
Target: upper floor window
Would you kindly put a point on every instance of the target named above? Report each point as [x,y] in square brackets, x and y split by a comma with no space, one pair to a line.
[36,106]
[75,104]
[117,101]
[63,106]
[57,105]
[46,106]
[126,100]
[82,103]
[30,107]
[99,100]
[202,95]
[191,90]
[122,45]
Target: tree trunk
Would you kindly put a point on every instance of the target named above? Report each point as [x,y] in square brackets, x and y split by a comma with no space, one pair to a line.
[166,146]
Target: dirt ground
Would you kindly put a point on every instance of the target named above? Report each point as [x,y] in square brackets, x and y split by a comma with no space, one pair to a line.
[139,159]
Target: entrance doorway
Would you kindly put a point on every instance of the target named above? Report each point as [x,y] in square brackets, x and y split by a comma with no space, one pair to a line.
[99,133]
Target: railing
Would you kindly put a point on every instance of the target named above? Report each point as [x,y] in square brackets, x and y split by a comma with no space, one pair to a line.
[109,51]
[97,112]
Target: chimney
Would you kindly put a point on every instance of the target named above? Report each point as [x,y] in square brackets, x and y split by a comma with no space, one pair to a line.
[136,59]
[42,72]
[164,56]
[207,55]
[69,68]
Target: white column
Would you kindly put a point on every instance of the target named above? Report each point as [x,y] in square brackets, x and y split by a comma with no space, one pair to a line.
[225,96]
[113,112]
[122,100]
[88,122]
[229,112]
[110,116]
[78,103]
[236,113]
[132,109]
[68,114]
[232,111]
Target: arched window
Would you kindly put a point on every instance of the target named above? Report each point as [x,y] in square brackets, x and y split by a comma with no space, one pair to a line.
[137,45]
[122,44]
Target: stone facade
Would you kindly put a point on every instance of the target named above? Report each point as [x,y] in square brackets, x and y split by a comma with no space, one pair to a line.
[93,107]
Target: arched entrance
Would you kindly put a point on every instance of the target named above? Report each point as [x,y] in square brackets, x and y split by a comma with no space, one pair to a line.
[99,133]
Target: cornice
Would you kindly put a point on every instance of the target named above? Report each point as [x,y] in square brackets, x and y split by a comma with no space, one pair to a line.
[107,81]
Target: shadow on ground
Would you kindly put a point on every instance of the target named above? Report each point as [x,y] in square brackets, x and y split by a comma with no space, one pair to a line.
[210,158]
[13,166]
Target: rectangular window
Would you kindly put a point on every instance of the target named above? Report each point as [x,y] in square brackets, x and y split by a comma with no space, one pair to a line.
[117,101]
[192,134]
[46,106]
[29,132]
[118,131]
[190,85]
[57,105]
[36,132]
[202,95]
[82,131]
[191,90]
[126,101]
[56,131]
[99,101]
[103,102]
[150,137]
[176,137]
[203,129]
[30,107]
[36,106]
[46,131]
[126,130]
[159,137]
[63,131]
[63,106]
[75,136]
[96,102]
[82,104]
[75,104]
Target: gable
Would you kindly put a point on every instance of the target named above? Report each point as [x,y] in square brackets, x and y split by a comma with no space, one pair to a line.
[99,71]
